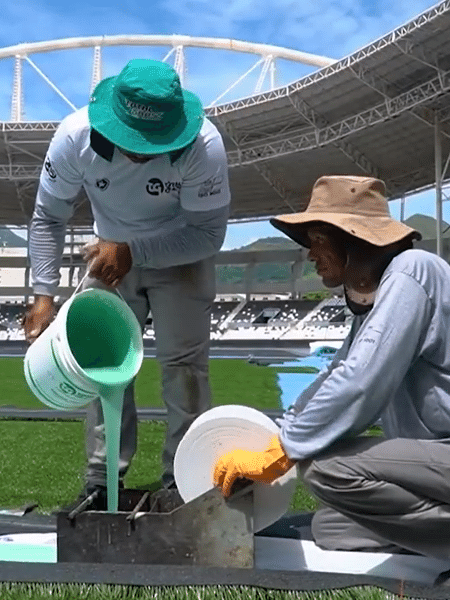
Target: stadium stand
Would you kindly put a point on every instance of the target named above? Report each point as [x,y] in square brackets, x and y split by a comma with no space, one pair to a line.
[329,311]
[274,312]
[329,320]
[289,320]
[236,319]
[220,312]
[10,321]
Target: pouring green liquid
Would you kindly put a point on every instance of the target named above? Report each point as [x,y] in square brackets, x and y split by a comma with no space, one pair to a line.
[111,397]
[112,403]
[92,350]
[106,341]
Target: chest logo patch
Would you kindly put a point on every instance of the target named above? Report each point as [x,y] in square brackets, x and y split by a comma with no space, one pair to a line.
[102,184]
[155,186]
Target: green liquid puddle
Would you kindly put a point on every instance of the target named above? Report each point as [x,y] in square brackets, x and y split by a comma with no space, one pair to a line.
[33,553]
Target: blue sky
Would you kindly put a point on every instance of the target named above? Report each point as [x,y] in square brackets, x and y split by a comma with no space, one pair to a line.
[324,27]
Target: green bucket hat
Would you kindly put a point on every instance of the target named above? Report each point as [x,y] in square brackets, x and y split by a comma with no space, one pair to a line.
[145,110]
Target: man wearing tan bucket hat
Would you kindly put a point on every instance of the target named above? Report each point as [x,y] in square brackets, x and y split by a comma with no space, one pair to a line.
[387,493]
[155,173]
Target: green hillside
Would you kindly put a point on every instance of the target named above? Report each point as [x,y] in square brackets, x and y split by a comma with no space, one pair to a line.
[427,226]
[9,239]
[271,243]
[274,272]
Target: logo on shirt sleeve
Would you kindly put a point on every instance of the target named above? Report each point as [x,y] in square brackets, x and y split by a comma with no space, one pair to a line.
[102,184]
[50,170]
[210,187]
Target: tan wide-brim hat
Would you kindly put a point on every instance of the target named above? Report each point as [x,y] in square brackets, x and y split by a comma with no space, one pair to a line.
[354,204]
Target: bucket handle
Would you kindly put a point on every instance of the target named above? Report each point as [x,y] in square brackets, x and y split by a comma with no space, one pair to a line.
[83,279]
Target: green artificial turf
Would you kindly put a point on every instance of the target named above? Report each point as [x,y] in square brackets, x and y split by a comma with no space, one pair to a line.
[233,381]
[26,591]
[43,462]
[52,460]
[15,391]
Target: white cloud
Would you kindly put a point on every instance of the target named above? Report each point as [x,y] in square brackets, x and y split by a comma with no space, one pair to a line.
[321,26]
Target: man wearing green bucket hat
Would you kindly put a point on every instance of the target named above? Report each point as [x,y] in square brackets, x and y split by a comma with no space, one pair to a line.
[155,173]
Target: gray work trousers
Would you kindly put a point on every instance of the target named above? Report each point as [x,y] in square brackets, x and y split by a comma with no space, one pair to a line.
[382,494]
[180,299]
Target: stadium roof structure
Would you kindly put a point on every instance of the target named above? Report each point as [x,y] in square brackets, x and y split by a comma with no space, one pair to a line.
[383,111]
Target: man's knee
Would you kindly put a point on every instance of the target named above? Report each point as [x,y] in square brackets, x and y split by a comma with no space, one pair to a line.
[311,474]
[327,477]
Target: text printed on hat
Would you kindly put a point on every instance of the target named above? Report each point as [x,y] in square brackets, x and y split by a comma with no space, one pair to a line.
[140,111]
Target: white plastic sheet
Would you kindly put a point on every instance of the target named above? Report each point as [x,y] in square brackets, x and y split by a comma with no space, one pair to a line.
[303,555]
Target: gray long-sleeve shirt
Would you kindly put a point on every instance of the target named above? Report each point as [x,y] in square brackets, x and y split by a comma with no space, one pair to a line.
[394,365]
[169,212]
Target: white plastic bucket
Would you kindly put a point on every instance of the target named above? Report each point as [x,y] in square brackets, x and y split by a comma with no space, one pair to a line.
[92,349]
[94,342]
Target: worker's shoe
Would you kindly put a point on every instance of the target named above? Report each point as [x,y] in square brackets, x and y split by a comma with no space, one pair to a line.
[166,499]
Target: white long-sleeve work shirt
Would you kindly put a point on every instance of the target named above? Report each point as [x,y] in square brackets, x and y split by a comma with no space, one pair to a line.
[394,365]
[170,212]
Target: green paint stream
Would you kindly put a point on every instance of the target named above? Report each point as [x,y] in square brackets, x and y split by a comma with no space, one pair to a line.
[111,397]
[103,340]
[112,404]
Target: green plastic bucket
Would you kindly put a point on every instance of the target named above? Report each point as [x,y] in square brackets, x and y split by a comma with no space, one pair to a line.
[92,349]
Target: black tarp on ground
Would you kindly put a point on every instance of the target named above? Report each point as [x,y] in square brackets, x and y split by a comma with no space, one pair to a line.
[162,575]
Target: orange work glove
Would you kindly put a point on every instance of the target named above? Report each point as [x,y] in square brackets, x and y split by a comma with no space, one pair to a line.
[265,466]
[108,261]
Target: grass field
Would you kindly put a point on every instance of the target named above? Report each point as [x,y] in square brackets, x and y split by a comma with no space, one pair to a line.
[10,591]
[44,462]
[233,381]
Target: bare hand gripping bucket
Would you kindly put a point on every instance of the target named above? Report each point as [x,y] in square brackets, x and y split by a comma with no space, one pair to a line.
[92,349]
